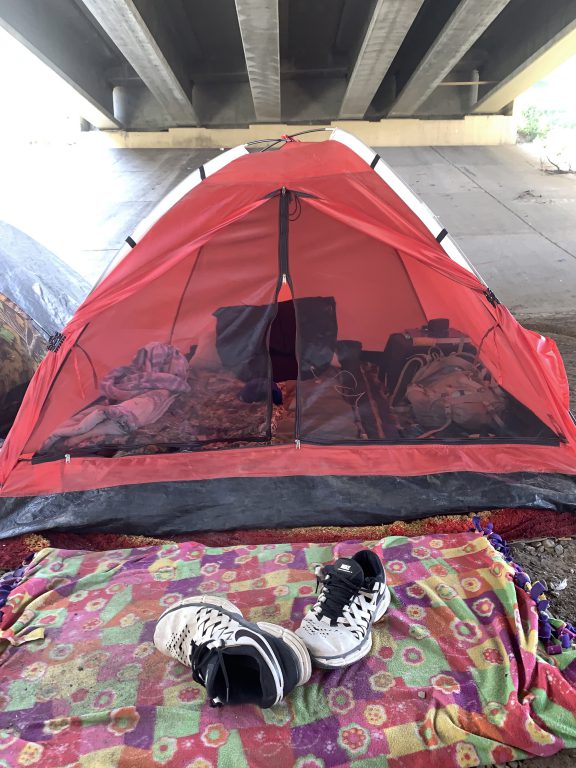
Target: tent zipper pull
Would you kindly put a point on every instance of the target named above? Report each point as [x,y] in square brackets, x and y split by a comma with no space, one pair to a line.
[284,280]
[67,458]
[298,444]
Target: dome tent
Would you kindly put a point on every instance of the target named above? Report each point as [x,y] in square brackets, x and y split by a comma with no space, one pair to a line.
[290,338]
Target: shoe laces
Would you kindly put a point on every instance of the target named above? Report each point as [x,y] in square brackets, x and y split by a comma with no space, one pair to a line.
[337,592]
[199,654]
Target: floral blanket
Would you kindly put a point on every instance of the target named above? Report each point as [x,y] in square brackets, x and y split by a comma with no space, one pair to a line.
[455,677]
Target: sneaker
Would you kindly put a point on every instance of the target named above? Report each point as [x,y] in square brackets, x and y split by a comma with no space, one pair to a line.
[236,661]
[354,595]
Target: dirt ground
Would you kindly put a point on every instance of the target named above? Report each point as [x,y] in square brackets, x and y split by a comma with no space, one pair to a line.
[551,560]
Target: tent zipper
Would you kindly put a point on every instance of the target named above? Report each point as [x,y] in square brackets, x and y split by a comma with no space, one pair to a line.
[553,441]
[285,197]
[283,234]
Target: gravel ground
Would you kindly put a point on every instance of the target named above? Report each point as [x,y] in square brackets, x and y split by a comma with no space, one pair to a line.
[552,560]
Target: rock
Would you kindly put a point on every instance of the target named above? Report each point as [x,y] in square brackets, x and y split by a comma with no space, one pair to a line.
[560,586]
[559,549]
[530,549]
[549,544]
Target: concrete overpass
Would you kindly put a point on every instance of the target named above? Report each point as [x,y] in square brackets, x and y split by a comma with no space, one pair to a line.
[151,65]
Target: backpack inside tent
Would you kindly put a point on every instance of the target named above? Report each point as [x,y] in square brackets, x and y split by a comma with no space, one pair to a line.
[290,338]
[22,347]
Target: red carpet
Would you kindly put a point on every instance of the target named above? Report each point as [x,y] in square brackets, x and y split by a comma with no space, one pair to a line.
[511,524]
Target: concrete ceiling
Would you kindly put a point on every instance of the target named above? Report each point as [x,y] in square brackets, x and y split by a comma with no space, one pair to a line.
[145,64]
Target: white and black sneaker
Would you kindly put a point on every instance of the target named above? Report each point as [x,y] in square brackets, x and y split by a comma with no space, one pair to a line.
[238,662]
[354,595]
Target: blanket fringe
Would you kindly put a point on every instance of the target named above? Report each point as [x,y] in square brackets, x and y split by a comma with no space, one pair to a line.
[556,635]
[10,581]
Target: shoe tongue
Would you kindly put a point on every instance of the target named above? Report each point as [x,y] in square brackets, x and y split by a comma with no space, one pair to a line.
[346,566]
[258,685]
[210,673]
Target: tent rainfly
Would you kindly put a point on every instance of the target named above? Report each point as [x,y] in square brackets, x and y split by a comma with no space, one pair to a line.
[290,338]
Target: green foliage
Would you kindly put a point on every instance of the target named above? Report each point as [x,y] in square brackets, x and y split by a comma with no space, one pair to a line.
[536,124]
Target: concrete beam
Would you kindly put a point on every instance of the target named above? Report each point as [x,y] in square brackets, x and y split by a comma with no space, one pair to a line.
[259,27]
[64,41]
[470,19]
[551,55]
[123,23]
[390,21]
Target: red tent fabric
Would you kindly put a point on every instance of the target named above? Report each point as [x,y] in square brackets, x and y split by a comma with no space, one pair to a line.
[165,384]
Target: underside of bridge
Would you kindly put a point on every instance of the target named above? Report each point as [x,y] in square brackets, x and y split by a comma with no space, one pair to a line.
[157,64]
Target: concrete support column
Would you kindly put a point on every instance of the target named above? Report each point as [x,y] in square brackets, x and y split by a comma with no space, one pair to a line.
[123,23]
[134,106]
[121,104]
[475,80]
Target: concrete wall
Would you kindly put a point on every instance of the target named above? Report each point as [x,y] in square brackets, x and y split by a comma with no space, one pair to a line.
[477,130]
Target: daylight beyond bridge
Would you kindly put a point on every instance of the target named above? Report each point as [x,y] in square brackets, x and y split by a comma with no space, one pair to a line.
[145,64]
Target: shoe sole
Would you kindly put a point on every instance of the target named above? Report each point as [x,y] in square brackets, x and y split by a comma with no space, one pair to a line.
[296,645]
[336,662]
[291,639]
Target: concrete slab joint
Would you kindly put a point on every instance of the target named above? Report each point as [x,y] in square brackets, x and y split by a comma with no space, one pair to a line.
[123,23]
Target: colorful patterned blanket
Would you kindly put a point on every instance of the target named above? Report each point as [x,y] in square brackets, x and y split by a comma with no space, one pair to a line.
[455,677]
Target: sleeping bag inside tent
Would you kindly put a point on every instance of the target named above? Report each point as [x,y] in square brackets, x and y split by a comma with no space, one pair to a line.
[290,338]
[22,347]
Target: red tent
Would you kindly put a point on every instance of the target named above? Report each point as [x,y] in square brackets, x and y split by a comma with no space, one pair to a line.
[290,338]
